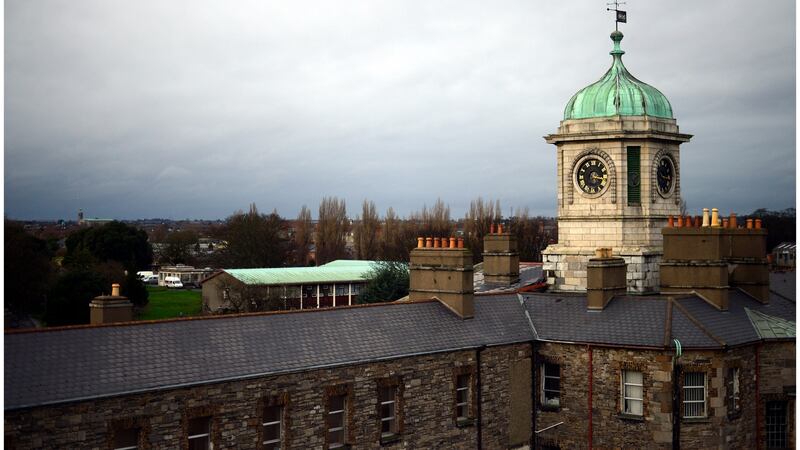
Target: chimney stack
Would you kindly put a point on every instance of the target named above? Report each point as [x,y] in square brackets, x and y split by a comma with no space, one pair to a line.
[606,276]
[110,308]
[712,259]
[500,258]
[444,273]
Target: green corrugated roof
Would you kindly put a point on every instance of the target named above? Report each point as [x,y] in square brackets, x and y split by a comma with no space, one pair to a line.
[770,327]
[333,272]
[618,93]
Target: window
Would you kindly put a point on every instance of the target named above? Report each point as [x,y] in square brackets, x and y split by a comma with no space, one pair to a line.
[694,395]
[200,433]
[551,385]
[634,177]
[341,290]
[632,392]
[387,397]
[273,428]
[463,383]
[337,420]
[776,424]
[356,289]
[734,401]
[126,439]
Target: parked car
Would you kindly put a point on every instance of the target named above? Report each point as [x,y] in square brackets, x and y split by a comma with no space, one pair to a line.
[190,285]
[173,283]
[151,280]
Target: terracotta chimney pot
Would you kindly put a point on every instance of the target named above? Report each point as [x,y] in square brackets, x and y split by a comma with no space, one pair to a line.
[758,224]
[725,222]
[453,242]
[705,218]
[500,228]
[460,242]
[437,242]
[115,289]
[420,242]
[680,222]
[749,224]
[492,228]
[429,242]
[670,222]
[732,221]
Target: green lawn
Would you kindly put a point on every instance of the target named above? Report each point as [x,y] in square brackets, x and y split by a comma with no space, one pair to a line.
[168,303]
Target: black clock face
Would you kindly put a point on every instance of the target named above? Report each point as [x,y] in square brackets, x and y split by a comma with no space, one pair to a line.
[665,175]
[592,176]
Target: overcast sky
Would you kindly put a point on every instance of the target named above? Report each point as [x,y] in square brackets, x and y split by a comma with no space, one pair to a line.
[194,109]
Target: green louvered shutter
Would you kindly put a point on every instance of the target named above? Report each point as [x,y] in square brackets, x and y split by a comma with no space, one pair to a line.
[634,177]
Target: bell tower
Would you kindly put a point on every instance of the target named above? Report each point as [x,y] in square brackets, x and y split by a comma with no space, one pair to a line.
[618,158]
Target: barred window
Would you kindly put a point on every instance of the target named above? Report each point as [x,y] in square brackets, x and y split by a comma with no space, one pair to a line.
[694,395]
[199,433]
[388,407]
[126,439]
[551,385]
[632,392]
[273,427]
[463,383]
[337,420]
[776,424]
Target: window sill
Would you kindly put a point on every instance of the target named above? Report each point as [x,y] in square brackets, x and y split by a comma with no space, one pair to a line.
[696,420]
[463,422]
[390,439]
[630,417]
[549,408]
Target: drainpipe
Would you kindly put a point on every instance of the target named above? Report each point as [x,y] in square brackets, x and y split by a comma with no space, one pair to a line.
[478,387]
[533,394]
[758,395]
[589,348]
[676,397]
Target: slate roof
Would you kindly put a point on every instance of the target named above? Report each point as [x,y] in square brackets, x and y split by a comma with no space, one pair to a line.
[48,367]
[642,320]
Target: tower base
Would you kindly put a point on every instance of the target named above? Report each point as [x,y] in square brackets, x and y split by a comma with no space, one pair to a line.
[565,268]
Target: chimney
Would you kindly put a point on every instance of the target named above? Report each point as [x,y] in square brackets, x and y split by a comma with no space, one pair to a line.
[500,258]
[605,278]
[444,273]
[110,308]
[712,259]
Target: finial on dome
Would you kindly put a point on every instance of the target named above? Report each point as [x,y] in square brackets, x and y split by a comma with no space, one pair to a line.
[617,36]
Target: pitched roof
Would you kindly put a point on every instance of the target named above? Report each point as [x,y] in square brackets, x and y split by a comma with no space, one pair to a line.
[333,272]
[55,366]
[770,327]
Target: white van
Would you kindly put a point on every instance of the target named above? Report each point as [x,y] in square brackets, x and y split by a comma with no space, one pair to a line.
[144,274]
[173,283]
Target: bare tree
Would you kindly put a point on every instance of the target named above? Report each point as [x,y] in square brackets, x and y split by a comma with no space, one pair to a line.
[331,230]
[365,232]
[398,237]
[477,224]
[434,222]
[302,236]
[242,298]
[533,234]
[254,240]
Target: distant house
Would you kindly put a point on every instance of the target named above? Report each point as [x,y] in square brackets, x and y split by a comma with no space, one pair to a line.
[785,254]
[337,283]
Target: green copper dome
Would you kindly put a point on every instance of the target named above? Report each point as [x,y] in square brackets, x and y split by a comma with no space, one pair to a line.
[618,93]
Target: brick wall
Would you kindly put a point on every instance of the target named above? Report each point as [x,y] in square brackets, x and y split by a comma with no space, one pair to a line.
[427,397]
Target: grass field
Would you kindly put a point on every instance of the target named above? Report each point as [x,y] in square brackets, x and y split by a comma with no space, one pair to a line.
[168,303]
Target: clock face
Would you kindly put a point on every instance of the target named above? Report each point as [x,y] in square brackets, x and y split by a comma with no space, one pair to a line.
[665,175]
[592,176]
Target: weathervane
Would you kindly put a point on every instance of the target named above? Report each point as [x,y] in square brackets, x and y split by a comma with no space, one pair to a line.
[622,16]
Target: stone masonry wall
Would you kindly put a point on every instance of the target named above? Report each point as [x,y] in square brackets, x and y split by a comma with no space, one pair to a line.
[611,429]
[428,418]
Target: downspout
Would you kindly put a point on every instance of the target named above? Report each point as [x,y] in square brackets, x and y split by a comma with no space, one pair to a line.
[589,348]
[533,394]
[758,395]
[478,393]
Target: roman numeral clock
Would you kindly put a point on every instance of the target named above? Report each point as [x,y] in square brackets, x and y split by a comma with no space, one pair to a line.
[618,154]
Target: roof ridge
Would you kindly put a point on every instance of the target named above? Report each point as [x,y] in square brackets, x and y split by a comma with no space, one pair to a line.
[209,317]
[699,325]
